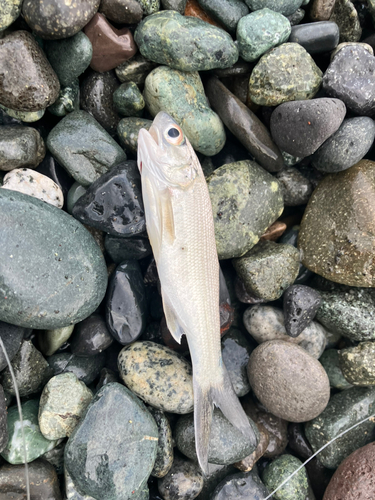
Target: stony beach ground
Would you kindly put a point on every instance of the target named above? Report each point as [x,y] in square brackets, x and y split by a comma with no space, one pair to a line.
[277,97]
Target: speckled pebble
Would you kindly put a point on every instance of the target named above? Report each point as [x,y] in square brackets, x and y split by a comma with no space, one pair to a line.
[295,187]
[128,100]
[68,100]
[240,487]
[279,470]
[128,129]
[183,482]
[345,15]
[9,11]
[358,364]
[330,362]
[300,305]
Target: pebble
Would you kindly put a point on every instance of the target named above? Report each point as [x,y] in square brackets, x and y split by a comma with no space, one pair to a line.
[52,169]
[178,5]
[128,100]
[183,482]
[247,463]
[300,306]
[162,37]
[285,7]
[68,100]
[158,375]
[295,187]
[240,487]
[296,17]
[164,452]
[83,147]
[50,341]
[120,249]
[317,37]
[347,146]
[90,337]
[86,369]
[288,381]
[9,11]
[71,490]
[3,421]
[357,364]
[321,10]
[236,350]
[344,409]
[20,147]
[122,11]
[350,77]
[274,232]
[330,361]
[113,412]
[135,69]
[260,31]
[344,255]
[25,116]
[128,129]
[181,94]
[280,469]
[345,15]
[226,12]
[62,404]
[11,336]
[285,73]
[239,219]
[226,444]
[149,6]
[74,193]
[56,457]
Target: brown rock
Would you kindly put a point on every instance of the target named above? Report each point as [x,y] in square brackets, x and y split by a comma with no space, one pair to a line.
[195,10]
[110,46]
[247,464]
[321,10]
[274,231]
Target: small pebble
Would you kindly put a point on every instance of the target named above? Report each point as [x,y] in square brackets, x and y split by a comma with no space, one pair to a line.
[345,15]
[226,12]
[184,481]
[68,100]
[20,147]
[86,369]
[164,452]
[330,361]
[300,306]
[316,37]
[120,249]
[240,487]
[236,350]
[128,100]
[285,7]
[90,337]
[122,11]
[12,337]
[321,10]
[51,340]
[296,188]
[128,129]
[279,470]
[9,11]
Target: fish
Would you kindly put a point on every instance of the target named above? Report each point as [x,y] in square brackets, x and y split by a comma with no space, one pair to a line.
[180,227]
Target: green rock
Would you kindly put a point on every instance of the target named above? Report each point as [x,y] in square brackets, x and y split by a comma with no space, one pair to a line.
[69,57]
[71,490]
[83,147]
[164,452]
[260,31]
[246,200]
[62,403]
[182,95]
[236,350]
[330,361]
[226,12]
[344,409]
[149,6]
[280,469]
[74,194]
[178,5]
[135,69]
[128,129]
[162,38]
[68,100]
[24,116]
[286,73]
[285,7]
[346,17]
[46,282]
[36,443]
[358,364]
[9,11]
[20,147]
[50,341]
[128,100]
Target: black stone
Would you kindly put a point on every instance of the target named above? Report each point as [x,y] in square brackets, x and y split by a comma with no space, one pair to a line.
[164,453]
[183,481]
[52,169]
[316,37]
[290,237]
[113,203]
[107,376]
[85,369]
[296,188]
[300,306]
[120,249]
[122,11]
[11,336]
[3,420]
[90,337]
[243,486]
[126,305]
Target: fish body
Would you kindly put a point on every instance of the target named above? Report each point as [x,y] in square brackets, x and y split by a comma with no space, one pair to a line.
[180,226]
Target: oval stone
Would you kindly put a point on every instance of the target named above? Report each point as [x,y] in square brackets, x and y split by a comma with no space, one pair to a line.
[46,282]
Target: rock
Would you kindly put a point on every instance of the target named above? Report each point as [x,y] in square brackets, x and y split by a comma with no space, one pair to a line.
[120,249]
[68,100]
[128,100]
[113,412]
[226,444]
[11,336]
[296,188]
[106,377]
[288,381]
[159,376]
[28,83]
[247,463]
[343,201]
[301,127]
[86,369]
[350,77]
[345,15]
[27,181]
[56,172]
[182,96]
[24,116]
[279,470]
[235,190]
[330,361]
[300,306]
[149,6]
[183,481]
[215,475]
[193,9]
[36,443]
[268,269]
[321,10]
[178,5]
[50,341]
[162,37]
[285,7]
[9,11]
[126,303]
[240,487]
[164,453]
[285,73]
[134,70]
[83,147]
[296,17]
[316,37]
[90,337]
[56,457]
[110,46]
[236,351]
[128,129]
[357,364]
[226,12]
[260,31]
[3,421]
[245,125]
[30,369]
[20,147]
[69,57]
[344,409]
[274,232]
[122,11]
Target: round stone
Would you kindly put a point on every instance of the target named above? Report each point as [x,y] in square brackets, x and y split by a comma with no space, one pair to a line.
[128,130]
[226,12]
[183,481]
[279,470]
[241,487]
[128,100]
[90,336]
[285,7]
[86,369]
[68,100]
[345,15]
[316,37]
[358,364]
[9,11]
[122,11]
[20,147]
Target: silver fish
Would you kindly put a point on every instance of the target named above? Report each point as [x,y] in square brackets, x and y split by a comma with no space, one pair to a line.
[180,227]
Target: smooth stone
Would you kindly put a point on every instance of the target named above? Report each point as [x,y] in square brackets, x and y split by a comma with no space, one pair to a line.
[296,188]
[301,127]
[321,10]
[30,369]
[240,220]
[364,45]
[86,369]
[68,100]
[56,457]
[164,452]
[169,90]
[69,57]
[345,15]
[128,100]
[149,6]
[268,269]
[344,409]
[247,463]
[290,160]
[236,350]
[52,169]
[11,336]
[357,364]
[83,147]
[285,73]
[296,17]
[44,483]
[214,476]
[113,412]
[74,194]
[279,470]
[178,5]
[135,69]
[285,7]
[330,362]
[27,181]
[300,305]
[120,249]
[106,377]
[96,98]
[226,12]
[288,381]
[62,404]
[36,443]
[183,481]
[243,486]
[28,82]
[90,337]
[245,125]
[128,129]
[317,37]
[227,444]
[110,46]
[193,9]
[50,341]
[24,116]
[350,77]
[260,31]
[20,147]
[162,37]
[3,421]
[122,11]
[343,201]
[9,11]
[71,490]
[158,375]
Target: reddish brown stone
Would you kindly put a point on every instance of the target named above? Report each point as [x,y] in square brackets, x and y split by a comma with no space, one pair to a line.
[195,10]
[247,463]
[274,231]
[321,10]
[110,46]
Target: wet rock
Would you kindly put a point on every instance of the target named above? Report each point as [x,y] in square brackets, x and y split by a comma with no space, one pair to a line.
[120,249]
[20,147]
[51,340]
[68,100]
[214,476]
[300,306]
[86,369]
[285,7]
[296,188]
[90,337]
[357,364]
[183,481]
[277,471]
[296,17]
[226,12]
[330,361]
[164,453]
[122,11]
[240,487]
[56,172]
[11,336]
[236,350]
[247,464]
[128,129]
[345,15]
[71,490]
[128,100]
[316,37]
[149,6]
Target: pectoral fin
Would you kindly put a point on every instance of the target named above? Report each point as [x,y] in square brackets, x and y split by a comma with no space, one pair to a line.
[168,227]
[173,324]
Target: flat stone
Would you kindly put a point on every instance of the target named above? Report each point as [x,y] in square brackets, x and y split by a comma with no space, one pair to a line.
[316,37]
[330,361]
[184,480]
[28,82]
[241,486]
[122,11]
[345,15]
[135,69]
[279,470]
[128,129]
[236,350]
[321,10]
[128,100]
[20,147]
[357,364]
[86,369]
[164,453]
[68,100]
[12,337]
[285,7]
[50,341]
[120,249]
[226,12]
[9,11]
[300,306]
[159,376]
[83,147]
[295,187]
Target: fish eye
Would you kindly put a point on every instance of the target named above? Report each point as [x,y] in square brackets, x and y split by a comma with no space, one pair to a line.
[174,135]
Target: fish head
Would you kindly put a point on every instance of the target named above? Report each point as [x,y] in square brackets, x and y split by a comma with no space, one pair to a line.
[165,153]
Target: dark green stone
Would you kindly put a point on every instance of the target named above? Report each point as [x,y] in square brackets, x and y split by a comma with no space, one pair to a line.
[12,338]
[120,249]
[128,100]
[149,6]
[135,69]
[128,130]
[358,364]
[20,147]
[86,369]
[226,12]
[164,452]
[68,100]
[280,469]
[330,361]
[162,37]
[236,350]
[178,5]
[285,7]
